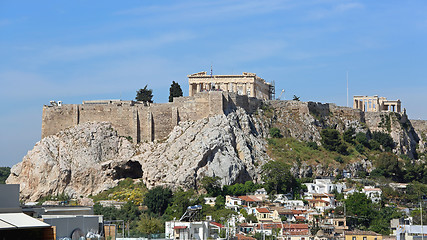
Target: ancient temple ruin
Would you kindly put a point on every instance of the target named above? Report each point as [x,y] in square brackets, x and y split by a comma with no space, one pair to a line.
[376,104]
[246,84]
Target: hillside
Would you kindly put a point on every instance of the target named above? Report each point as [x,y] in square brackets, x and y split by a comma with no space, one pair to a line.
[91,157]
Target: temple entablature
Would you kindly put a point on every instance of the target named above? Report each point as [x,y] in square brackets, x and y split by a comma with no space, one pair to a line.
[376,104]
[246,84]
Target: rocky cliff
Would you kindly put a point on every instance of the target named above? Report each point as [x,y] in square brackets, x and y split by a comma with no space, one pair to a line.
[91,157]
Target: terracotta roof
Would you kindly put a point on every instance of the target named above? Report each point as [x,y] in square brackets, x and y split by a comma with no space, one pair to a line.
[180,227]
[299,233]
[269,225]
[243,237]
[249,198]
[299,218]
[359,232]
[246,225]
[372,189]
[262,210]
[296,211]
[217,224]
[323,195]
[295,226]
[317,200]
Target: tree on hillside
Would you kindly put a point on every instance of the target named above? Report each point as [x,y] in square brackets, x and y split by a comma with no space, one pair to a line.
[212,185]
[278,178]
[359,209]
[4,174]
[150,225]
[181,200]
[174,91]
[157,199]
[144,95]
[331,141]
[387,165]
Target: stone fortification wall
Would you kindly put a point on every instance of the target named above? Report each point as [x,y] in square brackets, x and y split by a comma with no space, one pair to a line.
[141,122]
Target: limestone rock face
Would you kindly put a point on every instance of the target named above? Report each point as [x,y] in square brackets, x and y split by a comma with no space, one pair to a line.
[222,146]
[91,157]
[71,162]
[400,129]
[420,127]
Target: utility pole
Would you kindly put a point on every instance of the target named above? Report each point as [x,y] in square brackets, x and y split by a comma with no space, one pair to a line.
[347,87]
[422,227]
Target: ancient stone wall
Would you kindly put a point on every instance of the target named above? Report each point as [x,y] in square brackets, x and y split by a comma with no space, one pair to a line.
[141,122]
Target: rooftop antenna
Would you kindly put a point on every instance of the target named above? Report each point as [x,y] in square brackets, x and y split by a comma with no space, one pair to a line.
[347,87]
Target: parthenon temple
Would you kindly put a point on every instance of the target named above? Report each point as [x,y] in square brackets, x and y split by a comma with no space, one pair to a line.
[246,84]
[376,104]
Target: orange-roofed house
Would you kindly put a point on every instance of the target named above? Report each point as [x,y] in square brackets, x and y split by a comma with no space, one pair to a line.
[263,215]
[298,231]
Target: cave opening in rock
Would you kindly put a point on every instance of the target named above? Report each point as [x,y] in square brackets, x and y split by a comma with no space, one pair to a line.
[132,169]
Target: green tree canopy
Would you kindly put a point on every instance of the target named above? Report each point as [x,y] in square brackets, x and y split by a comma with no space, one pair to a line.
[157,199]
[349,135]
[4,174]
[174,91]
[387,165]
[275,132]
[278,178]
[331,141]
[150,225]
[384,139]
[144,95]
[180,201]
[212,185]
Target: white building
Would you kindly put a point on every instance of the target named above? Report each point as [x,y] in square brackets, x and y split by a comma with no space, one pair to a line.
[233,203]
[324,186]
[294,204]
[192,230]
[373,193]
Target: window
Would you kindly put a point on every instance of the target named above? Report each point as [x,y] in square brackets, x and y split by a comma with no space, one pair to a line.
[364,238]
[353,238]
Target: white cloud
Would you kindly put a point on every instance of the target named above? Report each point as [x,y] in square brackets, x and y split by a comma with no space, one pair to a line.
[337,9]
[72,53]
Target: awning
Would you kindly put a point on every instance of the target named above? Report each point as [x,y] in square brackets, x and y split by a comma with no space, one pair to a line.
[19,220]
[180,227]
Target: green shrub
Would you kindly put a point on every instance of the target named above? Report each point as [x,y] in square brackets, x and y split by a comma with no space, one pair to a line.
[349,135]
[339,159]
[312,145]
[360,148]
[362,139]
[374,145]
[330,139]
[384,139]
[275,133]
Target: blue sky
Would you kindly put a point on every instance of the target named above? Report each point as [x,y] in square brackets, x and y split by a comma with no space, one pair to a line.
[82,50]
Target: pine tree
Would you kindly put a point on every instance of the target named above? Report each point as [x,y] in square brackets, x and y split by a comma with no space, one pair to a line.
[174,91]
[144,95]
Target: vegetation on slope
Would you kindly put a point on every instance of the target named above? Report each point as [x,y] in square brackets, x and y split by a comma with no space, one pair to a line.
[4,173]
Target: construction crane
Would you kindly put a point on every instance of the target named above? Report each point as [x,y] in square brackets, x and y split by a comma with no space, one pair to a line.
[281,93]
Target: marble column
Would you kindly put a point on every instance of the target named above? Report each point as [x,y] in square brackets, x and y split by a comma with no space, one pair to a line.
[252,89]
[245,90]
[190,90]
[198,89]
